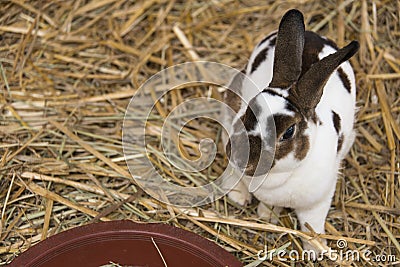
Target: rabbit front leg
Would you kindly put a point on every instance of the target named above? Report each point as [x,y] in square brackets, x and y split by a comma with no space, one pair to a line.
[239,191]
[315,216]
[240,194]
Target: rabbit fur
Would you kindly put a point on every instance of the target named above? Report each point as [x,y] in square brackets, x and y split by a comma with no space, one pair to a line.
[307,83]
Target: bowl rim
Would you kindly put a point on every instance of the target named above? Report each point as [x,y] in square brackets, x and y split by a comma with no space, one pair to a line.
[75,236]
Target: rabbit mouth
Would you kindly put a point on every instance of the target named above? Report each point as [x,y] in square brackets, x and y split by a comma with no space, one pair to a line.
[249,168]
[255,170]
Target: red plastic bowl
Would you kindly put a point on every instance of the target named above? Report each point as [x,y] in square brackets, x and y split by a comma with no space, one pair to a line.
[127,244]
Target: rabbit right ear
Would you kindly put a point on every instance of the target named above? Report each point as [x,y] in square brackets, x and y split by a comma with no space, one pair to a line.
[288,50]
[308,91]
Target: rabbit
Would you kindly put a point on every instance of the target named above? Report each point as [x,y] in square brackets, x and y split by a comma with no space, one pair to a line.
[308,85]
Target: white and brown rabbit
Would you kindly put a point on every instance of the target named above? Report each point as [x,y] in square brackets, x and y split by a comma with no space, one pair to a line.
[306,87]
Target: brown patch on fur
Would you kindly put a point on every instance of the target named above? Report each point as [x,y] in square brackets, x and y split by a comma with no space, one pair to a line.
[313,45]
[299,144]
[331,43]
[311,115]
[272,92]
[232,100]
[273,42]
[291,107]
[267,38]
[302,142]
[336,121]
[340,143]
[261,57]
[345,79]
[238,145]
[232,95]
[284,149]
[315,119]
[282,122]
[254,156]
[250,116]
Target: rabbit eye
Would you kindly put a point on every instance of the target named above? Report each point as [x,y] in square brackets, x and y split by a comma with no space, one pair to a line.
[289,133]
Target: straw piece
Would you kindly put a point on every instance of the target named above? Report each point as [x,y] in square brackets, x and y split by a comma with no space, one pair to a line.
[77,185]
[90,149]
[159,252]
[215,233]
[103,97]
[53,196]
[340,24]
[383,99]
[185,42]
[11,226]
[67,74]
[370,138]
[18,117]
[112,208]
[329,17]
[6,200]
[138,11]
[91,66]
[366,37]
[3,75]
[92,6]
[47,217]
[374,208]
[389,124]
[34,10]
[384,76]
[279,229]
[133,51]
[9,158]
[22,30]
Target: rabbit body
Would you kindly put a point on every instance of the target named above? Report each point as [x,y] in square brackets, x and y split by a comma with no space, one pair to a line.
[315,177]
[304,171]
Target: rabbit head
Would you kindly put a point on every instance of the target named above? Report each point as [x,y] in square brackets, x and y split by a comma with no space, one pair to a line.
[286,106]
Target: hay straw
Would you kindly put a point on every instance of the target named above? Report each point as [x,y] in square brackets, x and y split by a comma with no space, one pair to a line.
[96,153]
[68,71]
[55,197]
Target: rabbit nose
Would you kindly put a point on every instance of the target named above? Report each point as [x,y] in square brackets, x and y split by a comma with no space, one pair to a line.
[246,153]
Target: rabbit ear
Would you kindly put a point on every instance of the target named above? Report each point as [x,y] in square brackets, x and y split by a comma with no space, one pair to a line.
[308,90]
[288,50]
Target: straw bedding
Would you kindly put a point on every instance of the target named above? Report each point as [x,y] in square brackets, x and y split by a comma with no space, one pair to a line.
[69,68]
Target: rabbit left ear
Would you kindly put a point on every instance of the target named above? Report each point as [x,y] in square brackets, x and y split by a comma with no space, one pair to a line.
[288,50]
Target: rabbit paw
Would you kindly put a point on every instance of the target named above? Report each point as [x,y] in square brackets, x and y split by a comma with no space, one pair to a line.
[240,196]
[269,214]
